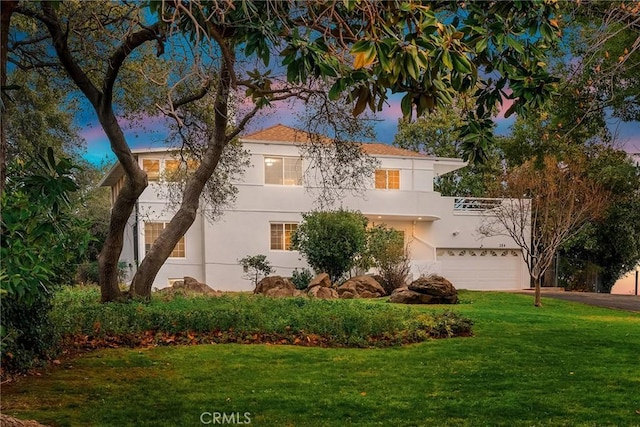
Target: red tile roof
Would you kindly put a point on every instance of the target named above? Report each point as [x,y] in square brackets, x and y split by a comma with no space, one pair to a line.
[285,134]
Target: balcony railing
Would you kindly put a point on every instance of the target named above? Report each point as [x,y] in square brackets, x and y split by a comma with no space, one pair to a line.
[475,204]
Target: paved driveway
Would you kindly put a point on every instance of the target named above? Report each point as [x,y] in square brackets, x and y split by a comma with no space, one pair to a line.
[619,302]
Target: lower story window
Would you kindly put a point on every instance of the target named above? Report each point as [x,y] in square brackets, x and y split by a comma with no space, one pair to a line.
[281,236]
[151,232]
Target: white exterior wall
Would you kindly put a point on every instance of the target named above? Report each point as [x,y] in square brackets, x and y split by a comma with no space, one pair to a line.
[428,220]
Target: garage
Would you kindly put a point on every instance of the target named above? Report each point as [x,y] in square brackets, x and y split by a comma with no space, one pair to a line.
[486,269]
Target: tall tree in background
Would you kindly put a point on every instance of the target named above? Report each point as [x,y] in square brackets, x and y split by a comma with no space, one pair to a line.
[608,246]
[438,133]
[546,205]
[428,51]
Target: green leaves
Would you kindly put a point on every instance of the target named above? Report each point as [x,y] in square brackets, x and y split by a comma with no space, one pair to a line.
[331,240]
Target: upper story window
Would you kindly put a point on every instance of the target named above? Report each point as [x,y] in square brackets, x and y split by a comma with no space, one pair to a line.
[388,179]
[283,170]
[167,169]
[151,232]
[171,167]
[281,236]
[152,168]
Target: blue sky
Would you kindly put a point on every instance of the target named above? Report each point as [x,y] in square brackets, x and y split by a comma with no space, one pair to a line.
[150,133]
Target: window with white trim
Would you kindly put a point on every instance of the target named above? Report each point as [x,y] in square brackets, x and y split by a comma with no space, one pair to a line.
[388,179]
[152,231]
[152,168]
[281,233]
[282,170]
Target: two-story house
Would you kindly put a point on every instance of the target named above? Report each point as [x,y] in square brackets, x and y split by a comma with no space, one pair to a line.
[441,232]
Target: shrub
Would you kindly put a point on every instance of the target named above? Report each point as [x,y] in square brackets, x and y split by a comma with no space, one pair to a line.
[386,251]
[255,267]
[301,278]
[331,241]
[82,320]
[41,242]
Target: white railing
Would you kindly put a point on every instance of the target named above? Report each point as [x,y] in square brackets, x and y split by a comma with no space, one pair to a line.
[475,204]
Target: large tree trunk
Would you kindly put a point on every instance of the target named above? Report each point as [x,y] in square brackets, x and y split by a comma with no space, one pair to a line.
[101,100]
[135,183]
[186,215]
[5,20]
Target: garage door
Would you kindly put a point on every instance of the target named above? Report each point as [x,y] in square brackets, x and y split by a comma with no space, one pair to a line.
[483,269]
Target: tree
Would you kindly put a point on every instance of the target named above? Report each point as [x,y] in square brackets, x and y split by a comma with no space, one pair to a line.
[386,251]
[255,267]
[604,42]
[547,205]
[438,133]
[330,241]
[362,48]
[611,244]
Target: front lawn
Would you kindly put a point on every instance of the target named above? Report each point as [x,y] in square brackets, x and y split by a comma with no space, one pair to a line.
[562,364]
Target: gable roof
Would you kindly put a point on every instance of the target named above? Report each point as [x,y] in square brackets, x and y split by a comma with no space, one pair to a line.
[287,135]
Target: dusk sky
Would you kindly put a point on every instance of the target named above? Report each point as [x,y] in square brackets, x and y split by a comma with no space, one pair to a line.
[151,133]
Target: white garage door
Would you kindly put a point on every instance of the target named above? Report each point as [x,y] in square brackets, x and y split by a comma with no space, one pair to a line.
[483,269]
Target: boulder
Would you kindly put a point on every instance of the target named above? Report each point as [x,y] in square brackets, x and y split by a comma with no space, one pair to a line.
[361,287]
[283,292]
[322,292]
[276,286]
[442,290]
[189,286]
[192,285]
[7,421]
[407,296]
[321,279]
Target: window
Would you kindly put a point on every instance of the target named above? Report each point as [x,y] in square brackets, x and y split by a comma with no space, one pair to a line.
[283,170]
[177,169]
[151,232]
[281,236]
[171,167]
[152,168]
[388,179]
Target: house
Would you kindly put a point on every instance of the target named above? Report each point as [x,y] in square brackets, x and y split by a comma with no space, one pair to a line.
[439,231]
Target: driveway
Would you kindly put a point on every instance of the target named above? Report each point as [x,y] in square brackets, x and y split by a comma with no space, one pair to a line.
[619,302]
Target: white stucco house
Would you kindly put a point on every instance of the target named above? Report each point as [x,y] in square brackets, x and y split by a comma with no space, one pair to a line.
[441,232]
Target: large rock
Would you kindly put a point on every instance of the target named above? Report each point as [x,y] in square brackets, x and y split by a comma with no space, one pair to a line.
[406,296]
[361,287]
[192,285]
[442,290]
[322,292]
[321,279]
[7,421]
[189,286]
[276,286]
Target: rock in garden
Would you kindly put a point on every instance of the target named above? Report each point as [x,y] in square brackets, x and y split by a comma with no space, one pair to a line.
[361,287]
[322,292]
[321,279]
[191,284]
[434,285]
[7,421]
[276,286]
[407,296]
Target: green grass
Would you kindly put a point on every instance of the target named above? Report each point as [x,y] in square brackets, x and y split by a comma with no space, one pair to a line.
[565,364]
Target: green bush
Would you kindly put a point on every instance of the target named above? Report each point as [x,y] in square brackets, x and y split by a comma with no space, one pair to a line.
[387,253]
[331,241]
[77,312]
[301,278]
[41,243]
[255,267]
